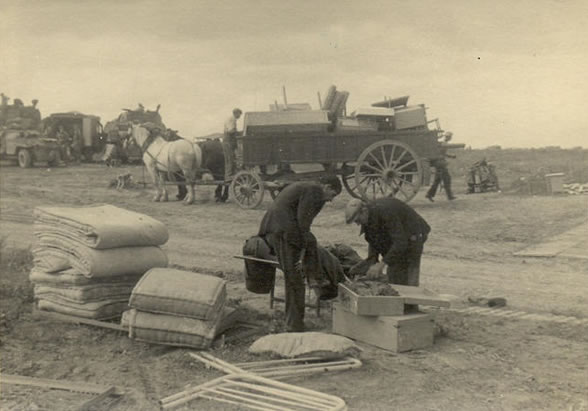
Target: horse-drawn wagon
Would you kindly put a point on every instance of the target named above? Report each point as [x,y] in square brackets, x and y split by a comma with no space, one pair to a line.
[378,151]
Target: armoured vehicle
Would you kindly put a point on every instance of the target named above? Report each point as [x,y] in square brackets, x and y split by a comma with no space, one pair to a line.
[20,135]
[120,145]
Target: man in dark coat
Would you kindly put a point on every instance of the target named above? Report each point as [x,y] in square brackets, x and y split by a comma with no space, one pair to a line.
[286,229]
[441,171]
[393,230]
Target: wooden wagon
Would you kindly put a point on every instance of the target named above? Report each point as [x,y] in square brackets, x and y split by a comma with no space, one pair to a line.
[374,154]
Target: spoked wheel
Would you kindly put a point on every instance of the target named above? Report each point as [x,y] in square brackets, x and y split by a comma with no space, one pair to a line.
[388,168]
[247,189]
[348,179]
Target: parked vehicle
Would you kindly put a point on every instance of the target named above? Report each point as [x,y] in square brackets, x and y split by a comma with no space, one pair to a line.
[20,135]
[380,151]
[120,146]
[93,137]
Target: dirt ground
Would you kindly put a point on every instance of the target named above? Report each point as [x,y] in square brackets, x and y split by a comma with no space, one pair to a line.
[478,362]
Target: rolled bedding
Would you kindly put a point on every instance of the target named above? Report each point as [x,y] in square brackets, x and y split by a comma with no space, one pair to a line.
[169,329]
[85,293]
[56,255]
[100,227]
[39,276]
[181,293]
[95,310]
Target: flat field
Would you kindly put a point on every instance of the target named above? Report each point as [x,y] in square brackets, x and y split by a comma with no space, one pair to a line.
[480,361]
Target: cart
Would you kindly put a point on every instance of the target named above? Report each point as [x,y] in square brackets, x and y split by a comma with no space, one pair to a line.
[377,152]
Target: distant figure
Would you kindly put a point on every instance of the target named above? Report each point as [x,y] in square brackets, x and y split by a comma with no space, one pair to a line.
[77,144]
[63,140]
[141,108]
[230,142]
[441,171]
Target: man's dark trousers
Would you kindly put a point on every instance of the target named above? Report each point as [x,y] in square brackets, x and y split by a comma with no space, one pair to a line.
[405,269]
[441,174]
[289,254]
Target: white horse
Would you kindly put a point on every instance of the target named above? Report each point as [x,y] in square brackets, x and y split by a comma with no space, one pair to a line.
[161,156]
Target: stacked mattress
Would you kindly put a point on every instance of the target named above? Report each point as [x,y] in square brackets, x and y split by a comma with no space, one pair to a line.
[88,259]
[175,307]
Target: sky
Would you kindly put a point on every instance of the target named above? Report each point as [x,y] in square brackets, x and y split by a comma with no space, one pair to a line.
[494,72]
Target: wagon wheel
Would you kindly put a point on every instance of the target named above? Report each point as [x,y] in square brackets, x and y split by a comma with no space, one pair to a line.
[25,159]
[247,188]
[388,168]
[348,179]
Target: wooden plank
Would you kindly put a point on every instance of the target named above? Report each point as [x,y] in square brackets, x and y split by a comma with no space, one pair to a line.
[260,260]
[420,295]
[394,333]
[55,384]
[78,320]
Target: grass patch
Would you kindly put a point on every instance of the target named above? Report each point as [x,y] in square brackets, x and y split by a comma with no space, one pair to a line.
[16,291]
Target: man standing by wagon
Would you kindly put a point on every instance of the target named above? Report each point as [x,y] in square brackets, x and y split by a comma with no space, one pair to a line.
[230,142]
[286,229]
[441,170]
[394,231]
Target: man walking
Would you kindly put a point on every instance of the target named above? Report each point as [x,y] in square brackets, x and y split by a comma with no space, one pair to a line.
[286,229]
[394,231]
[441,171]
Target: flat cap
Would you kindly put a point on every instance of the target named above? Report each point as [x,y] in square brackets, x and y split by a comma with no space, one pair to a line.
[352,209]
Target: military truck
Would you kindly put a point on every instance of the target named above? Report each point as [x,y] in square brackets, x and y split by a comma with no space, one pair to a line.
[120,147]
[21,139]
[93,136]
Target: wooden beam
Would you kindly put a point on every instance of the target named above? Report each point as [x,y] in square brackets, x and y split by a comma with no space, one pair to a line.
[259,260]
[57,384]
[78,320]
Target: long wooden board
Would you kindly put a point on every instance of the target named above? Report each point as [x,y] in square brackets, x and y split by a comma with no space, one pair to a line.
[78,320]
[57,384]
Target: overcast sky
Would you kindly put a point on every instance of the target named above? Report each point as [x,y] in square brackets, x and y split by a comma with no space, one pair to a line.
[502,72]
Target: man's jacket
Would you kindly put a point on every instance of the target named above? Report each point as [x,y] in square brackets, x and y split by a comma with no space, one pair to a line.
[391,226]
[293,211]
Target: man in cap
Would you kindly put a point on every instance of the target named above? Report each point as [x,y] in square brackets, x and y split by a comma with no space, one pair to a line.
[441,170]
[286,229]
[394,231]
[230,141]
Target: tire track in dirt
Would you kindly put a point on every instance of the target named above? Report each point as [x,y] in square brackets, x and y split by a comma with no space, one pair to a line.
[519,315]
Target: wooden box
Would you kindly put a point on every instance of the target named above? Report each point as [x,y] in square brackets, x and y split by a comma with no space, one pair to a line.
[368,304]
[394,333]
[388,305]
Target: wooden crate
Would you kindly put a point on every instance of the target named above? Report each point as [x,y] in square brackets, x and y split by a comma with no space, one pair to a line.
[370,305]
[394,333]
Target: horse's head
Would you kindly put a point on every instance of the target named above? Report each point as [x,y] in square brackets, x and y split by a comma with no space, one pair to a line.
[140,134]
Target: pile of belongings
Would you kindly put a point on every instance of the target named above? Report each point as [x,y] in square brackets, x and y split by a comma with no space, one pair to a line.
[335,102]
[175,307]
[482,178]
[260,276]
[88,259]
[576,188]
